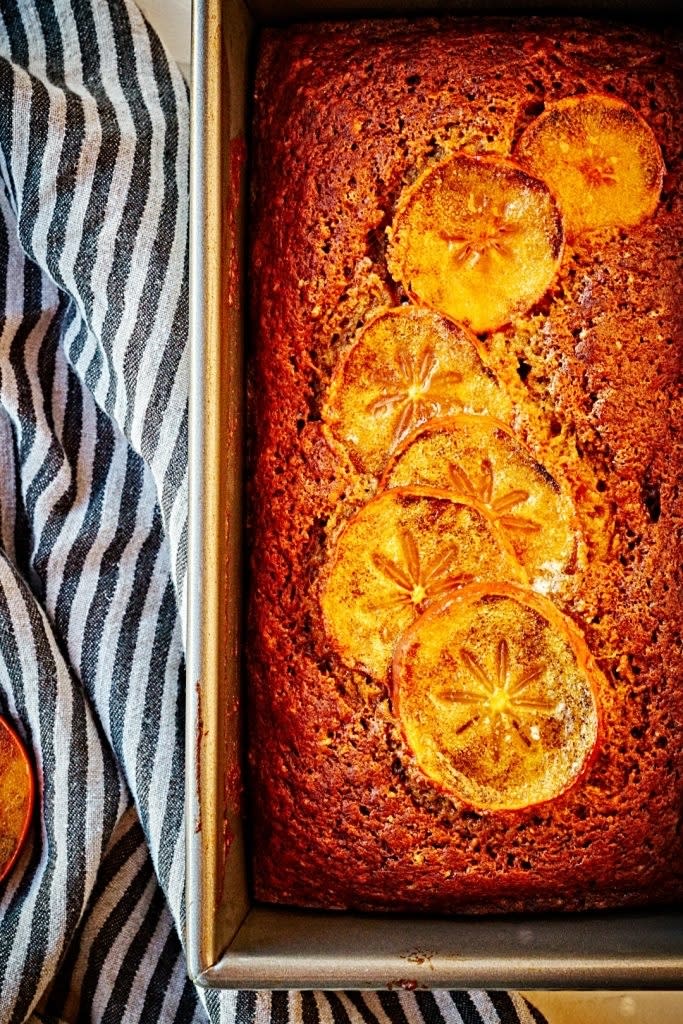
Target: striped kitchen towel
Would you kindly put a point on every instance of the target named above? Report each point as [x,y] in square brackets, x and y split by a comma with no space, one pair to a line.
[93,528]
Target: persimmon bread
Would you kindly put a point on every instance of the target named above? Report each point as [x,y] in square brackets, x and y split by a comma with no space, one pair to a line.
[465,469]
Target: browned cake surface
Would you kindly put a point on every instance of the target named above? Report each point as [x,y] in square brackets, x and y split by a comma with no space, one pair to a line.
[347,116]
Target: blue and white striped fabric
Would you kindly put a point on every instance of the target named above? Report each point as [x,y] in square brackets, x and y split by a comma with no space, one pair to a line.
[93,520]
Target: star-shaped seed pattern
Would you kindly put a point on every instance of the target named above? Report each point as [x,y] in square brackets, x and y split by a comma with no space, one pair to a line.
[492,237]
[419,394]
[482,491]
[498,702]
[417,584]
[598,170]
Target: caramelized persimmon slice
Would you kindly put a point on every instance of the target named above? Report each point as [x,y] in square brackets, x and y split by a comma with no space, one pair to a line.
[599,157]
[479,458]
[405,366]
[402,550]
[16,797]
[477,238]
[496,692]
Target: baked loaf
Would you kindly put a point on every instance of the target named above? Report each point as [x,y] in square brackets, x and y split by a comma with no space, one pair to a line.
[464,632]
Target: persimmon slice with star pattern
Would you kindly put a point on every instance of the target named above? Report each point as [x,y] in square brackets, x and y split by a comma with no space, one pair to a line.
[16,797]
[479,458]
[405,366]
[400,552]
[497,695]
[599,157]
[477,238]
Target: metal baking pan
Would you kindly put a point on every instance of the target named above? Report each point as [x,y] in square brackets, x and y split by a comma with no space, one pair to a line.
[232,943]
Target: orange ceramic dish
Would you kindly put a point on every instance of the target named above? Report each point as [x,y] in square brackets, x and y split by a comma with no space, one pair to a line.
[17,793]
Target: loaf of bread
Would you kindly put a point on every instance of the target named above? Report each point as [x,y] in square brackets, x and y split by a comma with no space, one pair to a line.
[465,471]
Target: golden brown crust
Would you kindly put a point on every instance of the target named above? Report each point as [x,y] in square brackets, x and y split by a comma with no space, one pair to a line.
[347,117]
